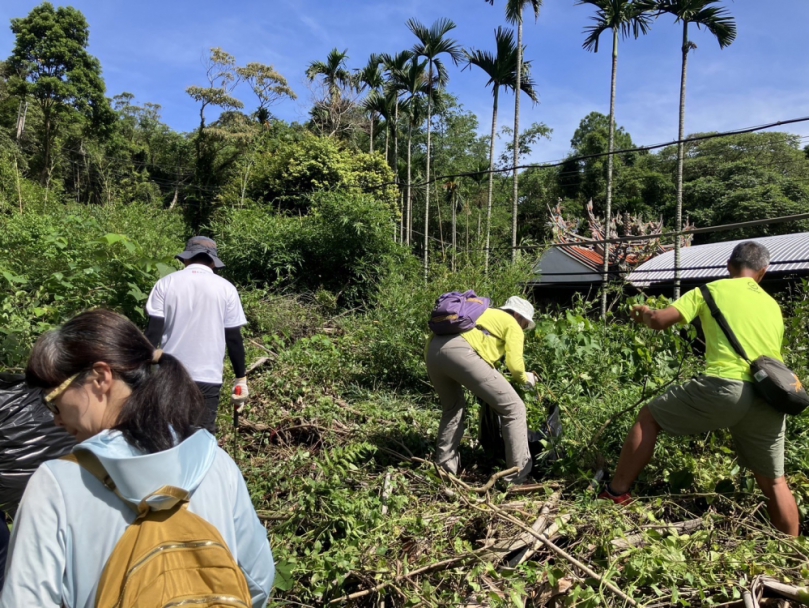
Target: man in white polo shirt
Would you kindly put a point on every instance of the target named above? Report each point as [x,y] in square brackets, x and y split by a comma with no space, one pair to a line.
[196,315]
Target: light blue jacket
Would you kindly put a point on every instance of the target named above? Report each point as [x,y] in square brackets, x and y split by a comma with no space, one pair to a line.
[68,523]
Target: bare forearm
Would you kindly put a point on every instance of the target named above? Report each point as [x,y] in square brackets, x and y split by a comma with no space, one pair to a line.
[656,319]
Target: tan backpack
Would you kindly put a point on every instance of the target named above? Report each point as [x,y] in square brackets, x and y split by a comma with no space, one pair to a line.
[167,558]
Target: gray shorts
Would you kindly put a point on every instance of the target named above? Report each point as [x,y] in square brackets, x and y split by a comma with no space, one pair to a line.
[708,404]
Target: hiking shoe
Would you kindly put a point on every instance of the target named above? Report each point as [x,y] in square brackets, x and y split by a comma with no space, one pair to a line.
[619,499]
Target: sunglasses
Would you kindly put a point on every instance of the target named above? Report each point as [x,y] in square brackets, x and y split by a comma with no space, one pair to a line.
[48,399]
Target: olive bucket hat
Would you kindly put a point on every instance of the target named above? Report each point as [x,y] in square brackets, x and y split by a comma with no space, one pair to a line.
[201,244]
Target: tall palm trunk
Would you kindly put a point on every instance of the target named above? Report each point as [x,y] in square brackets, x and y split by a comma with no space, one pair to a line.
[678,222]
[401,217]
[427,190]
[468,212]
[514,209]
[46,172]
[372,133]
[454,227]
[491,176]
[409,182]
[440,225]
[387,146]
[610,166]
[396,159]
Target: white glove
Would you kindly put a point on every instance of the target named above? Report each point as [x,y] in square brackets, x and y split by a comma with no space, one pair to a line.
[531,379]
[240,391]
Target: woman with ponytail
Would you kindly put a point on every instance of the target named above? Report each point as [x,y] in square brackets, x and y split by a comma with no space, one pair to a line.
[136,410]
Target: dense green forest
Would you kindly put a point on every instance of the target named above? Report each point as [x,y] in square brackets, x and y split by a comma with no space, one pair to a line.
[323,227]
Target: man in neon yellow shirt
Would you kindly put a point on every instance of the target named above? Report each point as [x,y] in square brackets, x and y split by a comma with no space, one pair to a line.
[724,397]
[468,360]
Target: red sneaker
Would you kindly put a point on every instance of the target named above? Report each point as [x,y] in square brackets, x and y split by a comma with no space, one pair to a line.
[619,499]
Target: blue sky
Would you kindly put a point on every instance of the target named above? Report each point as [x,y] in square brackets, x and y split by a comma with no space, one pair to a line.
[154,49]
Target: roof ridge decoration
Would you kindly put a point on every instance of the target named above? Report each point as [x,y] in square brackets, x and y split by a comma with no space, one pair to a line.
[624,256]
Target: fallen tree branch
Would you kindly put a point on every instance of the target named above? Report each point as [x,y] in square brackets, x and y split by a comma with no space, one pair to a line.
[442,565]
[264,348]
[791,592]
[258,427]
[504,547]
[264,516]
[479,490]
[386,491]
[559,551]
[530,488]
[493,479]
[639,540]
[748,600]
[260,362]
[539,526]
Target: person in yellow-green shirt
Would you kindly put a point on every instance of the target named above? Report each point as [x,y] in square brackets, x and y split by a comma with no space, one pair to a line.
[468,360]
[724,397]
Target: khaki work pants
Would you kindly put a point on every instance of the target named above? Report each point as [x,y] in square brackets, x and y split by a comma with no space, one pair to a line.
[453,364]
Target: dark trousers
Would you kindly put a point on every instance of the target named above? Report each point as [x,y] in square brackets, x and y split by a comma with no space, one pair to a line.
[211,394]
[5,535]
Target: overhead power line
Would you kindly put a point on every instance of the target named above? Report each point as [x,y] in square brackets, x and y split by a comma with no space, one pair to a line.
[558,163]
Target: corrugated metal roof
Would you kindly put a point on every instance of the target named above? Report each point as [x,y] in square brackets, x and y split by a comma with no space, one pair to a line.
[710,261]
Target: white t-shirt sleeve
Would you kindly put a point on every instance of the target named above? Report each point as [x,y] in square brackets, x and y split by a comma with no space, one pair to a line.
[234,313]
[155,304]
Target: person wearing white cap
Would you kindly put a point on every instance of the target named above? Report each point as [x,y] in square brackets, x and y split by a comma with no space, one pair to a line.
[468,360]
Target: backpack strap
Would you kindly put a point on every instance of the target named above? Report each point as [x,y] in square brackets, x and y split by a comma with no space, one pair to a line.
[723,323]
[90,463]
[164,499]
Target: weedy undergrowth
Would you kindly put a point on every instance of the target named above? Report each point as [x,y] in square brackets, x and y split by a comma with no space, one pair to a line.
[338,439]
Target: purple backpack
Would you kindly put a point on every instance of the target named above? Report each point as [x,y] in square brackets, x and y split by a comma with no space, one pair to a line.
[455,313]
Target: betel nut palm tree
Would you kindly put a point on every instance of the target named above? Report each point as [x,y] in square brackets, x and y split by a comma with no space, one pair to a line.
[623,18]
[393,66]
[336,77]
[411,84]
[378,105]
[514,15]
[501,68]
[432,45]
[718,21]
[334,72]
[371,78]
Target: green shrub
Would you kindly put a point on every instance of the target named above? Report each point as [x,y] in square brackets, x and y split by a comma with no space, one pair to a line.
[285,177]
[341,245]
[75,258]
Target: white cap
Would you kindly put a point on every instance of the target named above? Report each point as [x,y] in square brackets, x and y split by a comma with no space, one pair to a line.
[523,308]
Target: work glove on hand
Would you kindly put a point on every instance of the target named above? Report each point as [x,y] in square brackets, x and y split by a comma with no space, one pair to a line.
[240,391]
[531,379]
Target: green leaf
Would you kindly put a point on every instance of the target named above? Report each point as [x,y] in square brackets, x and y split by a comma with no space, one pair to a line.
[14,278]
[283,575]
[164,269]
[111,238]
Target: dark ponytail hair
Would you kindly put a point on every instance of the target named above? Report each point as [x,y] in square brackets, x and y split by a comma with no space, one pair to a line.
[164,397]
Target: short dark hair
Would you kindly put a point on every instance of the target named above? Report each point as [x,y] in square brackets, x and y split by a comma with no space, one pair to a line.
[750,254]
[164,402]
[200,258]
